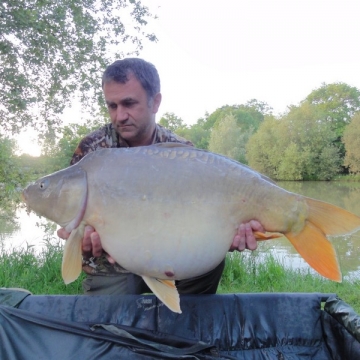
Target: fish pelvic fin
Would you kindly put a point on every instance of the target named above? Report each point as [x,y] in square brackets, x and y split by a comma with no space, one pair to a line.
[72,258]
[166,291]
[331,219]
[312,244]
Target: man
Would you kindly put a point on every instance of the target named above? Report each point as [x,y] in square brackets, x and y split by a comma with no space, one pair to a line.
[132,93]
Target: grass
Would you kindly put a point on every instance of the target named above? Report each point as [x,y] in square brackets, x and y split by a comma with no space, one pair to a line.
[244,273]
[38,272]
[251,273]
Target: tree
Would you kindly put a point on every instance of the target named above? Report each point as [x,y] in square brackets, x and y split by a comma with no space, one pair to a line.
[59,152]
[247,116]
[51,50]
[172,122]
[196,133]
[338,102]
[262,147]
[351,140]
[11,176]
[229,139]
[298,146]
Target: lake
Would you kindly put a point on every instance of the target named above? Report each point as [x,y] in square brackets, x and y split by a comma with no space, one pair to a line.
[23,230]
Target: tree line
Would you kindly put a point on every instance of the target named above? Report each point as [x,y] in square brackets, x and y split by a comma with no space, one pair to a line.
[314,140]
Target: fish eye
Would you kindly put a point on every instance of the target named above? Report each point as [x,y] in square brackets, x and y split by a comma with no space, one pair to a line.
[43,184]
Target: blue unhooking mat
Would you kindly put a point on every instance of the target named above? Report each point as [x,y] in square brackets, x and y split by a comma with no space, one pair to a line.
[233,326]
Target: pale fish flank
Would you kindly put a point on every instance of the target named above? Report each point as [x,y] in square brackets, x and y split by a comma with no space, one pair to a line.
[168,212]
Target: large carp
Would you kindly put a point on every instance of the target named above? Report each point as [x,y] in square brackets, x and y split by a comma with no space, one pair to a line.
[168,212]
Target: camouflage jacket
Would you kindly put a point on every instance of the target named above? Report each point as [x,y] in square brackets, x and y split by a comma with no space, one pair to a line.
[107,137]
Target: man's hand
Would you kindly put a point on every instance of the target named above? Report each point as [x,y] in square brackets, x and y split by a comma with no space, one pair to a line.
[244,238]
[91,244]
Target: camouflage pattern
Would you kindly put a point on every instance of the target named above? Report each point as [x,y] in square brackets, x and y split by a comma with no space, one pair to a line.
[107,137]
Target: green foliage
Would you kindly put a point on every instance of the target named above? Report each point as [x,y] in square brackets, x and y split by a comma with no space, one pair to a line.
[198,134]
[247,116]
[338,102]
[351,140]
[299,146]
[39,273]
[60,151]
[12,175]
[229,139]
[172,122]
[262,149]
[51,50]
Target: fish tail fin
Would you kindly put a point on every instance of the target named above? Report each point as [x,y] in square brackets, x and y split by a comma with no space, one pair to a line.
[331,219]
[166,291]
[72,257]
[311,243]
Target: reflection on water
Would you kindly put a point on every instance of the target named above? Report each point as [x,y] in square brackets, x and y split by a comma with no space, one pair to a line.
[23,231]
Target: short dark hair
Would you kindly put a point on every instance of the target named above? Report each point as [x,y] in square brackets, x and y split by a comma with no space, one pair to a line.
[143,71]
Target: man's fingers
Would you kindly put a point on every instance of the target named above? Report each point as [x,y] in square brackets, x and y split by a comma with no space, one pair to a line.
[244,238]
[86,243]
[256,226]
[239,239]
[97,249]
[250,241]
[63,234]
[110,259]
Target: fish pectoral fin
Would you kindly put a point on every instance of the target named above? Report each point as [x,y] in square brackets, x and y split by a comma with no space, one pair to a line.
[260,236]
[166,291]
[72,257]
[312,244]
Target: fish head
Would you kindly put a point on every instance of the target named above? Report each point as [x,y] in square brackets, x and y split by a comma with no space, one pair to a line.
[60,197]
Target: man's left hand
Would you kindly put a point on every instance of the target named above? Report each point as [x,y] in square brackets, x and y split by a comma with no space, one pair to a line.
[244,238]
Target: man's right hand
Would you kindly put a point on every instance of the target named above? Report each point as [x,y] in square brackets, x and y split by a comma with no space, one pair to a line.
[91,244]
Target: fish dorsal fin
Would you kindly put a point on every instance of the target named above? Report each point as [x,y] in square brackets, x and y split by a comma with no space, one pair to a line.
[166,291]
[170,145]
[72,257]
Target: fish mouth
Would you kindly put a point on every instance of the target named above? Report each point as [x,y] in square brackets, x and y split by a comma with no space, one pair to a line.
[24,200]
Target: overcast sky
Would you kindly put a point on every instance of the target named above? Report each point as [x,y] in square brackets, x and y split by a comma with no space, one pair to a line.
[213,53]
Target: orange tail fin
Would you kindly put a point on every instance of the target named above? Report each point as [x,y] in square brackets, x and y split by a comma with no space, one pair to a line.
[317,251]
[311,243]
[331,219]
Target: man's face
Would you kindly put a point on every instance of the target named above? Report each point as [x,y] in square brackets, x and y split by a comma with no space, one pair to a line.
[131,113]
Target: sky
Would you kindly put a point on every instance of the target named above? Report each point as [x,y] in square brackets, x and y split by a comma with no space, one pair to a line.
[215,53]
